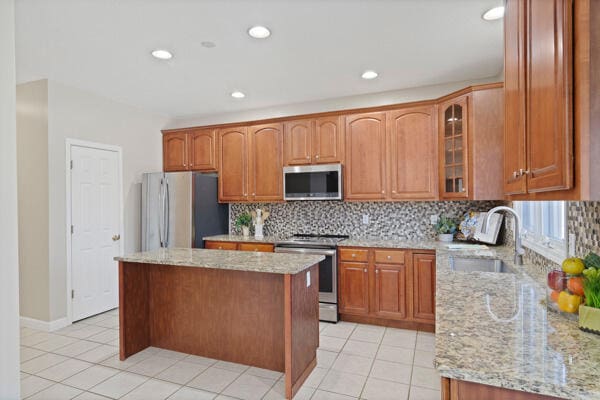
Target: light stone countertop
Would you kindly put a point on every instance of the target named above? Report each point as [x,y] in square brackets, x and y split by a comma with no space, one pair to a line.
[276,263]
[240,238]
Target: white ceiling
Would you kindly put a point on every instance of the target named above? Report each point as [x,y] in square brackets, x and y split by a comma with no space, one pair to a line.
[318,48]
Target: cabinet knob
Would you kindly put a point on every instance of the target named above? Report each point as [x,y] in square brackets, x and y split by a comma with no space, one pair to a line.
[393,191]
[515,174]
[389,257]
[245,194]
[308,157]
[376,271]
[354,255]
[383,192]
[365,270]
[253,194]
[220,247]
[463,190]
[317,156]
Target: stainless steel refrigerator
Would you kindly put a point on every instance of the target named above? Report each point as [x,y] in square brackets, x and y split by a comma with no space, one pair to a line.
[179,209]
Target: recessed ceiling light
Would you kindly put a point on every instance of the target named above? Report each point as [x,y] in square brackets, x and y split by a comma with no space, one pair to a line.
[369,74]
[162,54]
[208,45]
[238,95]
[493,13]
[259,32]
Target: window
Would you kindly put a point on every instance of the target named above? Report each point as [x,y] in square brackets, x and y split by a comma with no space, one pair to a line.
[544,227]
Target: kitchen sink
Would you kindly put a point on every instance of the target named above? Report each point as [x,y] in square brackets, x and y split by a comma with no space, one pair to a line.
[479,264]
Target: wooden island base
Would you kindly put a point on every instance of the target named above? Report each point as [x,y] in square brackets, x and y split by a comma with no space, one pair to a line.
[266,320]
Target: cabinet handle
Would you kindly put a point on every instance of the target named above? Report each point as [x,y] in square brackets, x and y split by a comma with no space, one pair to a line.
[523,171]
[376,271]
[389,257]
[365,270]
[515,174]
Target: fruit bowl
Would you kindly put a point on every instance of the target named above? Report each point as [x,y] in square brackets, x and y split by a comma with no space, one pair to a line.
[564,293]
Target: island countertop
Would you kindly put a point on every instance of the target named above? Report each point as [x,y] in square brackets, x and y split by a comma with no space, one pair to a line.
[275,263]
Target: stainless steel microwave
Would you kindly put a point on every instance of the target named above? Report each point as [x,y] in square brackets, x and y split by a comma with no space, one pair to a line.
[313,182]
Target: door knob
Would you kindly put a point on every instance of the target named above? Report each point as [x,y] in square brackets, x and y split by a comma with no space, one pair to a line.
[116,237]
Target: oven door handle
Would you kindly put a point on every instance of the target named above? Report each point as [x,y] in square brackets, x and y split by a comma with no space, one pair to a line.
[318,252]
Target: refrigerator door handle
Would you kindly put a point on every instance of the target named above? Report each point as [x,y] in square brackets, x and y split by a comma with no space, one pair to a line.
[160,210]
[166,212]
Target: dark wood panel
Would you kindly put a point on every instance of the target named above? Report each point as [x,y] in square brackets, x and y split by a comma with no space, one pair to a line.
[463,390]
[211,245]
[260,247]
[134,332]
[390,256]
[353,287]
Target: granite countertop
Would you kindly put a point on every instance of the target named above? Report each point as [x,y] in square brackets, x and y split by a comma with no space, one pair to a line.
[277,263]
[240,238]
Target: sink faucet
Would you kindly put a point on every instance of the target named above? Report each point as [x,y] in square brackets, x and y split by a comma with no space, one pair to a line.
[519,251]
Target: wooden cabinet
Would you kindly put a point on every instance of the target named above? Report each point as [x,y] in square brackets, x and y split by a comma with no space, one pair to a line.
[354,284]
[454,171]
[318,141]
[242,246]
[265,162]
[539,109]
[366,157]
[413,154]
[175,152]
[392,287]
[454,389]
[202,145]
[233,164]
[423,276]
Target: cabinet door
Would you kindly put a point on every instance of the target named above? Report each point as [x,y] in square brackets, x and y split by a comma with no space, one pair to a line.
[210,245]
[233,164]
[366,157]
[328,141]
[203,150]
[514,98]
[266,162]
[424,287]
[257,247]
[175,151]
[297,142]
[549,95]
[413,154]
[390,291]
[354,288]
[453,144]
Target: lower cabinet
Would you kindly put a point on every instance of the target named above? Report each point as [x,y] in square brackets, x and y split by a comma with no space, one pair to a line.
[388,287]
[454,389]
[242,246]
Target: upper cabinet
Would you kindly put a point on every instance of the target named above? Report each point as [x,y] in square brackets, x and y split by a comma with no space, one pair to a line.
[265,162]
[313,141]
[453,144]
[366,157]
[175,151]
[233,164]
[539,111]
[190,150]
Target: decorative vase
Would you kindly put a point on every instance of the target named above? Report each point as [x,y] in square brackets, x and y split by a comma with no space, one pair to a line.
[445,237]
[246,231]
[258,231]
[589,319]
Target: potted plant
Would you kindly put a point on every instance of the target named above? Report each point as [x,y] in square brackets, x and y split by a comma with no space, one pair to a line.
[589,313]
[244,220]
[445,228]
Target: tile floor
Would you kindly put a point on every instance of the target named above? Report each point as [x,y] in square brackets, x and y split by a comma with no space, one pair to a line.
[354,362]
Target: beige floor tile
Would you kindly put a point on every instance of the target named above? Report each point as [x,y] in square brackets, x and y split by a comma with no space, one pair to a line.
[90,396]
[24,332]
[77,348]
[277,392]
[425,341]
[341,330]
[419,393]
[200,360]
[223,397]
[325,359]
[426,377]
[69,329]
[86,331]
[90,377]
[331,343]
[181,372]
[372,334]
[95,319]
[395,354]
[36,338]
[353,364]
[424,359]
[98,354]
[108,335]
[152,365]
[28,353]
[112,321]
[42,362]
[377,389]
[171,354]
[391,371]
[316,377]
[343,383]
[358,348]
[399,338]
[152,390]
[63,370]
[186,393]
[249,387]
[264,373]
[119,385]
[54,343]
[33,384]
[230,366]
[56,392]
[324,395]
[214,379]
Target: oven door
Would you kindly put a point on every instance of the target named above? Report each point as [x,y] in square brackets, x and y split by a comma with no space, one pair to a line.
[327,271]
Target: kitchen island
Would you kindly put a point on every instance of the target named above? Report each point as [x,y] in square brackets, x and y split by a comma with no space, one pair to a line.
[258,309]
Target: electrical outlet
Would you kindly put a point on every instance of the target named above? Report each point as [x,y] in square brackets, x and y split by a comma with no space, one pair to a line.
[571,244]
[434,219]
[365,219]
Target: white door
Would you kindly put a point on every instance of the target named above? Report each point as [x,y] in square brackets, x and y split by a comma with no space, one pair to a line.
[95,219]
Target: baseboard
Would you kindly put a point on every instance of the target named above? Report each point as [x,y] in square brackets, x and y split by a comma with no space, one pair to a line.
[46,326]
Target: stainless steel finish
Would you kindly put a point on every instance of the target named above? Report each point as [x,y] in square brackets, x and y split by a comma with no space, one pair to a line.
[314,168]
[519,250]
[328,312]
[116,237]
[479,264]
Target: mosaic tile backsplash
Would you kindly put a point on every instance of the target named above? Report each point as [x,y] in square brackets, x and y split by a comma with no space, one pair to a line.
[387,220]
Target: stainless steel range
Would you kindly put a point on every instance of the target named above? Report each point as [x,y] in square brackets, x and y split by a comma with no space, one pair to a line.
[325,245]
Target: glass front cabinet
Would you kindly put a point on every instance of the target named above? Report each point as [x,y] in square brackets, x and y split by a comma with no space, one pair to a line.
[454,163]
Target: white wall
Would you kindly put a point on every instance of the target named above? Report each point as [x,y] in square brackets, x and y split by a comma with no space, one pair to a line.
[76,114]
[9,277]
[342,103]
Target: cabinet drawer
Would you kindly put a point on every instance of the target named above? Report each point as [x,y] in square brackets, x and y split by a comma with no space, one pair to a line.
[221,245]
[261,247]
[389,256]
[358,255]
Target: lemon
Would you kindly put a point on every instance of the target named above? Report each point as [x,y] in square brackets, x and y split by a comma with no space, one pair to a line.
[573,266]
